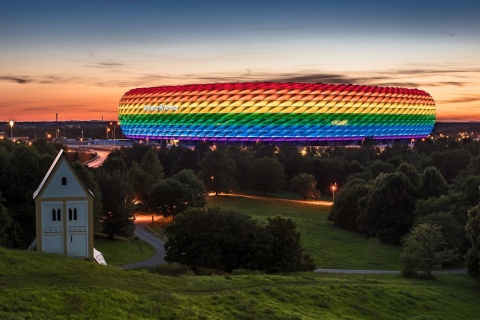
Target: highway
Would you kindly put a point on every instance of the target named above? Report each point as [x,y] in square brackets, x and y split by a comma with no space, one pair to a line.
[101,156]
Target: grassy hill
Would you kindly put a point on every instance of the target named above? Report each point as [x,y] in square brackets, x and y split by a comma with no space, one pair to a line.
[329,246]
[41,286]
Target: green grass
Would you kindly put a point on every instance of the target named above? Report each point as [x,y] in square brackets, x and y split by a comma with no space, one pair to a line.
[284,194]
[42,286]
[120,251]
[330,247]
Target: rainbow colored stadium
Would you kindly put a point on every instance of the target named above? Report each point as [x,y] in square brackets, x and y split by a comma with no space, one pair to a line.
[271,111]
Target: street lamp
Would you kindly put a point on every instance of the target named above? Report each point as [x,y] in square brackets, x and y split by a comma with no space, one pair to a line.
[113,134]
[108,130]
[11,129]
[334,187]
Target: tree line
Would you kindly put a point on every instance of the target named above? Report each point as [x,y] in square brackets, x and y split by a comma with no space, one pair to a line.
[384,194]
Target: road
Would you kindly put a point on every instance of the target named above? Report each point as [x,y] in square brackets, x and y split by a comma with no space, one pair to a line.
[143,233]
[102,155]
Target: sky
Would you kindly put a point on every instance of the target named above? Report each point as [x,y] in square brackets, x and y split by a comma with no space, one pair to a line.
[77,58]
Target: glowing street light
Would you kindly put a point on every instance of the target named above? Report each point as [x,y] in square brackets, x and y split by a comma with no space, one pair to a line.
[11,129]
[334,188]
[108,130]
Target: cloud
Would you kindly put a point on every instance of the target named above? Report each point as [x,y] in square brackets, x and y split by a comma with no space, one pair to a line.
[104,64]
[451,34]
[461,99]
[17,79]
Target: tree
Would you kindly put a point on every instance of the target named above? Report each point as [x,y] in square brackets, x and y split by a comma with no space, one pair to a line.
[112,164]
[118,208]
[432,183]
[196,186]
[140,181]
[278,248]
[345,209]
[304,184]
[228,240]
[411,172]
[453,232]
[5,223]
[152,166]
[217,171]
[377,167]
[89,179]
[267,175]
[473,233]
[470,188]
[43,146]
[210,238]
[387,210]
[19,180]
[451,162]
[169,197]
[145,176]
[425,249]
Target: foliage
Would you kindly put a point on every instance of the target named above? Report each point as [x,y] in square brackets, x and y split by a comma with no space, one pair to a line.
[425,249]
[20,178]
[228,240]
[89,179]
[152,166]
[196,186]
[117,195]
[387,210]
[453,232]
[217,170]
[243,159]
[330,246]
[470,188]
[345,209]
[114,164]
[473,232]
[277,248]
[145,176]
[210,238]
[451,162]
[44,147]
[305,185]
[267,175]
[411,172]
[5,223]
[432,183]
[169,197]
[140,182]
[378,166]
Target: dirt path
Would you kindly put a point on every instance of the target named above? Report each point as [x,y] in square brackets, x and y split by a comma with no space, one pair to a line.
[143,233]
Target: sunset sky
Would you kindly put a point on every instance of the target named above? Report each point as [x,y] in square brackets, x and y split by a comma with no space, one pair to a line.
[77,58]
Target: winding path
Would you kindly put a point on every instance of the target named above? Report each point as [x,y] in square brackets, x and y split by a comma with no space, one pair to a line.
[143,233]
[453,271]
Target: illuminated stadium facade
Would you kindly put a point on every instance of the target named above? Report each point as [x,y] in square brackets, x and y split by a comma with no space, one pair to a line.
[276,112]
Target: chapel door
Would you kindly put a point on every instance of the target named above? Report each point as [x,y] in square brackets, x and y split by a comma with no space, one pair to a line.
[77,231]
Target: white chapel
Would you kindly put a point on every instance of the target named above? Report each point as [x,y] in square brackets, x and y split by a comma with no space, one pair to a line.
[64,212]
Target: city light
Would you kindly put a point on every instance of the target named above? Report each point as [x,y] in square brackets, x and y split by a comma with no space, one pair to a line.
[334,188]
[11,129]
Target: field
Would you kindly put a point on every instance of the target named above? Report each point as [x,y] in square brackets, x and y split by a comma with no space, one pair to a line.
[330,247]
[120,251]
[42,286]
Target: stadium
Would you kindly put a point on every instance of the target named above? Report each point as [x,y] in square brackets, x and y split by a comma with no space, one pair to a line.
[276,112]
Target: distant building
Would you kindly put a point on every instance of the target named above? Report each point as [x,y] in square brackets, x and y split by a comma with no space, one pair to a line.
[276,112]
[64,212]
